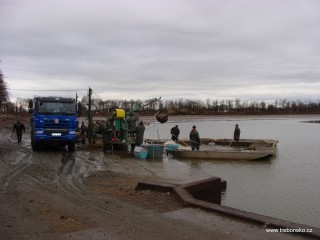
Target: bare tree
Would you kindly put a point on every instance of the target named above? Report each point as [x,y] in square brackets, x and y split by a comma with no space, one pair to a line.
[21,105]
[4,95]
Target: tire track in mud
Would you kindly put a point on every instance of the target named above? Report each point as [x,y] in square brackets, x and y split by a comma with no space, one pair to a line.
[80,164]
[20,161]
[48,168]
[11,177]
[69,180]
[16,161]
[52,171]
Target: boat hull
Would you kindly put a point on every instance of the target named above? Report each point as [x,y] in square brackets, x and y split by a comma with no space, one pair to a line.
[228,155]
[245,142]
[224,142]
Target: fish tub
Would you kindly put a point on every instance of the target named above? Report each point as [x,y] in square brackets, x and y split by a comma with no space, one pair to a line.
[172,147]
[140,152]
[155,151]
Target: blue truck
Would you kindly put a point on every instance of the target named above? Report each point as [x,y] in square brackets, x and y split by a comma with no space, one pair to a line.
[53,121]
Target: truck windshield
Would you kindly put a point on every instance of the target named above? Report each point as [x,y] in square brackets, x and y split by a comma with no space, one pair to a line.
[57,107]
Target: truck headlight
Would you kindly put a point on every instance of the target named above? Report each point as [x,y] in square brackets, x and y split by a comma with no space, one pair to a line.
[39,132]
[72,132]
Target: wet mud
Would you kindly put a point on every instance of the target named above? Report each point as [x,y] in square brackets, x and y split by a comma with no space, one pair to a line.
[54,192]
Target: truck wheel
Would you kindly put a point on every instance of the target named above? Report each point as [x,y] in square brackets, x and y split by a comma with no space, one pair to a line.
[71,147]
[34,145]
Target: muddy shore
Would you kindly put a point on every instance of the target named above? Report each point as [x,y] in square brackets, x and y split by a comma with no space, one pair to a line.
[88,194]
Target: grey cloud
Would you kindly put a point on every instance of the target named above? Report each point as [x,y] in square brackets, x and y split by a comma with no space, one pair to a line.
[180,49]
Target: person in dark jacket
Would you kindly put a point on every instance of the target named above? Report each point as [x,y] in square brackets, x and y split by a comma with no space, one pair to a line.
[194,139]
[132,124]
[18,127]
[175,131]
[83,131]
[236,133]
[139,133]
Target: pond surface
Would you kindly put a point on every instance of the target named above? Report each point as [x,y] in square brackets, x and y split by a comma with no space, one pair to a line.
[286,186]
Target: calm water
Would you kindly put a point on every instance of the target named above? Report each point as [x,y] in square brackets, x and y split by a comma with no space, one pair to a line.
[286,186]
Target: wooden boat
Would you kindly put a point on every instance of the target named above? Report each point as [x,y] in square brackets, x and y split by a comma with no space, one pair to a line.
[223,154]
[224,142]
[245,142]
[247,149]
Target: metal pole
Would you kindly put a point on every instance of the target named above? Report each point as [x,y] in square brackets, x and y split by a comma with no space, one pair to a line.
[90,132]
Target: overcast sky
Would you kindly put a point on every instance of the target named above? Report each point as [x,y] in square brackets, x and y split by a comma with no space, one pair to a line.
[140,49]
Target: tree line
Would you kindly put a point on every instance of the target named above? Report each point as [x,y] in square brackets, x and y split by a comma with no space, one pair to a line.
[175,107]
[185,106]
[209,106]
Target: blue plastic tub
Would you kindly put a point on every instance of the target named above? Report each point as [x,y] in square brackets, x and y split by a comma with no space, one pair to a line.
[141,155]
[140,152]
[173,147]
[155,151]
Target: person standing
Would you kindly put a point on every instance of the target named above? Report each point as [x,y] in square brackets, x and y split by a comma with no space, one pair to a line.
[132,124]
[194,138]
[236,134]
[18,127]
[83,131]
[139,133]
[175,131]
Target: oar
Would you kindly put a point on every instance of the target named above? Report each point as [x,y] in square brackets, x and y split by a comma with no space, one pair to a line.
[230,143]
[180,140]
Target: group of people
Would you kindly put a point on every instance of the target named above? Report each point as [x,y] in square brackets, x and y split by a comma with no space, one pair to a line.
[138,131]
[107,128]
[195,138]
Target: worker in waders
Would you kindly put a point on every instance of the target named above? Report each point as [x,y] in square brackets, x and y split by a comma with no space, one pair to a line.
[236,133]
[175,131]
[194,138]
[132,124]
[18,127]
[139,132]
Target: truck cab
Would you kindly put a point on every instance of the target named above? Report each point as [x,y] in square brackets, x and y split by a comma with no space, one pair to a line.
[53,121]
